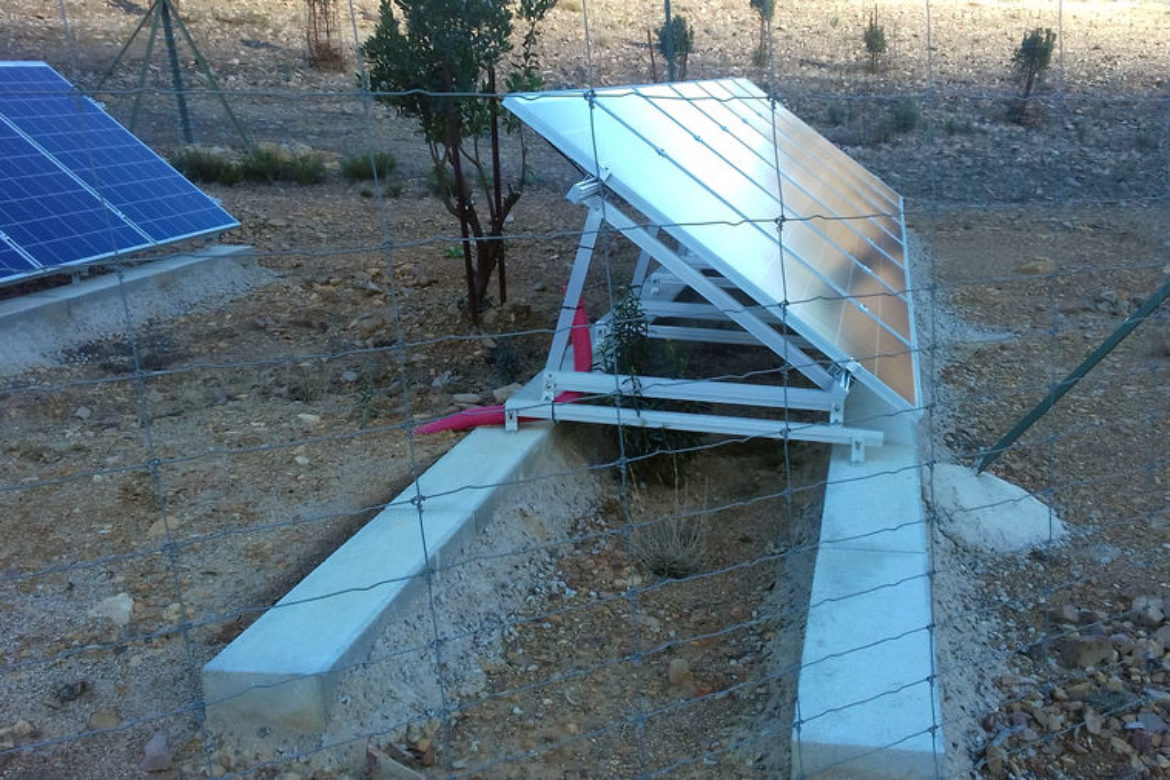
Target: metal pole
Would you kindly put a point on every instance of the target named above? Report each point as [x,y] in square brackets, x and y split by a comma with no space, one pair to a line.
[1060,388]
[144,69]
[176,73]
[205,69]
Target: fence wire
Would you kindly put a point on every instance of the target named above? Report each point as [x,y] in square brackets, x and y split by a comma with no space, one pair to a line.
[182,473]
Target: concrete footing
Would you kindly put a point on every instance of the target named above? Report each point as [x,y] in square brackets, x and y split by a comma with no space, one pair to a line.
[280,673]
[38,327]
[868,702]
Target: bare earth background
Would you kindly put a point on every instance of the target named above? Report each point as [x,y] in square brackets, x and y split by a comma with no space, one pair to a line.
[268,429]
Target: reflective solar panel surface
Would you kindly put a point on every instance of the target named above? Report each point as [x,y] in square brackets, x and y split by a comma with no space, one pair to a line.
[761,197]
[76,187]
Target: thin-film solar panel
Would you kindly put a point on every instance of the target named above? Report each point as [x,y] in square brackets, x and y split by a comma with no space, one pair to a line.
[762,198]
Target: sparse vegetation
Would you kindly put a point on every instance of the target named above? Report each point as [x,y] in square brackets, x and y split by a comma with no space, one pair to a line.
[265,164]
[366,167]
[671,548]
[676,41]
[206,166]
[875,40]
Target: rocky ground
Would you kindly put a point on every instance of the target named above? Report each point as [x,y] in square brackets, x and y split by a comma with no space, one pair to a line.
[275,426]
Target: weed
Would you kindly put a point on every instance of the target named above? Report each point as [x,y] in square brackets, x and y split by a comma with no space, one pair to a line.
[453,252]
[834,20]
[308,381]
[572,6]
[672,548]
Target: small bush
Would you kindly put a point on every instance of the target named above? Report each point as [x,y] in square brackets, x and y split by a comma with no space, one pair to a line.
[835,114]
[268,165]
[676,41]
[206,166]
[364,167]
[904,115]
[1032,58]
[875,40]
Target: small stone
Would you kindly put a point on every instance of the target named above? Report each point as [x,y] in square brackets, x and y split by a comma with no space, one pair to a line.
[458,764]
[517,711]
[156,756]
[681,677]
[309,419]
[349,376]
[994,756]
[1066,614]
[70,691]
[104,719]
[83,413]
[466,398]
[1037,266]
[301,460]
[539,286]
[1093,721]
[502,394]
[1153,723]
[1077,652]
[382,767]
[22,728]
[116,608]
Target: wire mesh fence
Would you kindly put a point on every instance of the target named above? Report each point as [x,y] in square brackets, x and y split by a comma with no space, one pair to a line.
[229,550]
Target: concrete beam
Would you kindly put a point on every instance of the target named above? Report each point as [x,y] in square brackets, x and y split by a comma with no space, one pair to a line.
[868,702]
[281,672]
[36,328]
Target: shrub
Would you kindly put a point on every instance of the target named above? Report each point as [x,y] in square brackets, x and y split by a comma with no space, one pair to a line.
[205,166]
[875,40]
[676,41]
[835,114]
[364,167]
[1032,58]
[904,115]
[267,165]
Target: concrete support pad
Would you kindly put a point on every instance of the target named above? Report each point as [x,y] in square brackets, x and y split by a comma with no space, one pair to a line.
[867,704]
[37,327]
[281,671]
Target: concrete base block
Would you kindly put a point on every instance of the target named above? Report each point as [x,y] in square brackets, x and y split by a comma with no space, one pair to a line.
[281,672]
[867,701]
[36,328]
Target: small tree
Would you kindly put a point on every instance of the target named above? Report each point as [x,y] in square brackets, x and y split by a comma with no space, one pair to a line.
[765,9]
[1032,58]
[875,40]
[676,41]
[432,48]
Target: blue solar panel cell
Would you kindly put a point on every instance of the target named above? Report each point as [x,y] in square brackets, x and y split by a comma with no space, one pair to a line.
[12,263]
[77,186]
[50,215]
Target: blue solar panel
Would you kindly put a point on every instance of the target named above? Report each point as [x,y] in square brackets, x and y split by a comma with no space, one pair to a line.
[76,187]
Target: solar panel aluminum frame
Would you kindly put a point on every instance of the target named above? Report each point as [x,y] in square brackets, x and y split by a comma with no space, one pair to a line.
[872,195]
[537,398]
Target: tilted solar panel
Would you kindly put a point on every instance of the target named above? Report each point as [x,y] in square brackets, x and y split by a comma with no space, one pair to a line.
[763,199]
[76,187]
